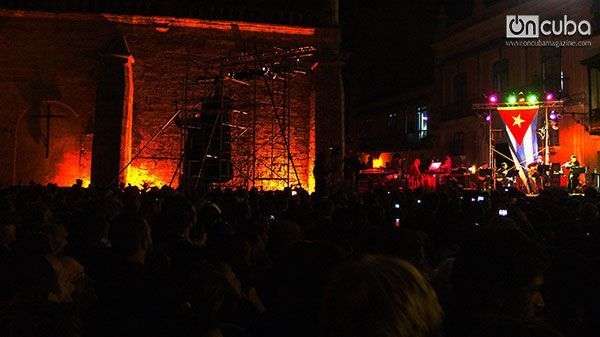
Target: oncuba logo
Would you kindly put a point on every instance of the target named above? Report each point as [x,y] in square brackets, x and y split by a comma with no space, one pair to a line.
[529,26]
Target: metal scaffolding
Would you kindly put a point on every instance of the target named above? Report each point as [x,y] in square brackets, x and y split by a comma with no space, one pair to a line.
[254,93]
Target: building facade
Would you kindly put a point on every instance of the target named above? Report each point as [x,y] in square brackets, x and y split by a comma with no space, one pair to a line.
[55,90]
[398,124]
[473,59]
[394,123]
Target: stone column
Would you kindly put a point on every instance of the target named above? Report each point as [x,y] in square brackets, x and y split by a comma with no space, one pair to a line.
[111,149]
[329,106]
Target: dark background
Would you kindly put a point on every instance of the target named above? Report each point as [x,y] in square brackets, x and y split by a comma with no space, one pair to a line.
[386,43]
[387,46]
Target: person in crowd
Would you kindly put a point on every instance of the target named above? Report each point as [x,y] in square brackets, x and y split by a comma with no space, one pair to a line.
[296,289]
[182,237]
[128,296]
[234,263]
[497,276]
[39,307]
[7,256]
[380,297]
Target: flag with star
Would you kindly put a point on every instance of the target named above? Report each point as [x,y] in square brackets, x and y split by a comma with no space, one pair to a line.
[521,127]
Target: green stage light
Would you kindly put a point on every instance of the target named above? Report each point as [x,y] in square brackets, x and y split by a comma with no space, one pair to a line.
[512,99]
[532,99]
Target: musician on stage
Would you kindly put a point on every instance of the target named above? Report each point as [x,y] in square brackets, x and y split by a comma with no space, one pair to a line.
[503,175]
[446,164]
[503,169]
[414,177]
[543,172]
[539,160]
[533,175]
[573,166]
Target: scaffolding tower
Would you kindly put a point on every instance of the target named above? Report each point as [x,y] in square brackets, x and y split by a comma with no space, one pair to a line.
[254,91]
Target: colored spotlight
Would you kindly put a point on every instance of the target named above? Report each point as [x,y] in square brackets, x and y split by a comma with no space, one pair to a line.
[512,99]
[532,99]
[549,96]
[488,118]
[553,115]
[493,98]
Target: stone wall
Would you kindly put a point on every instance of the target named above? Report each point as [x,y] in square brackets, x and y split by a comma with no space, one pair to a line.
[55,57]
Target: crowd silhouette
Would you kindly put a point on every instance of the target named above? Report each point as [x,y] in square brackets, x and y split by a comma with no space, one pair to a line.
[234,263]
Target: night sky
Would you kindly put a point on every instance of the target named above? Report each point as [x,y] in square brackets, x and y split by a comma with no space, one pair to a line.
[386,43]
[388,47]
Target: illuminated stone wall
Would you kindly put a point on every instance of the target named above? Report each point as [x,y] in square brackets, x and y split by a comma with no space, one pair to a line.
[55,57]
[48,66]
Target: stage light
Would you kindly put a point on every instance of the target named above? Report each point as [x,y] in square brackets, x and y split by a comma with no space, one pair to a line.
[512,99]
[532,99]
[552,115]
[377,163]
[549,96]
[488,118]
[493,98]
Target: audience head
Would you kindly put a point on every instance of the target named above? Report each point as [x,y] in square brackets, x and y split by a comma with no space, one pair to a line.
[130,236]
[178,214]
[203,291]
[8,233]
[36,278]
[380,297]
[499,273]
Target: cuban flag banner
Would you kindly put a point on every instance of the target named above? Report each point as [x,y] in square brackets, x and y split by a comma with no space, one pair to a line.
[521,129]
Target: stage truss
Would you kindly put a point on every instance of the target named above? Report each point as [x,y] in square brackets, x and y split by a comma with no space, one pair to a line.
[485,111]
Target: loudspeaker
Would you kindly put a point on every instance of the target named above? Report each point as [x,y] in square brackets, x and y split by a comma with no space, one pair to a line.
[216,155]
[207,150]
